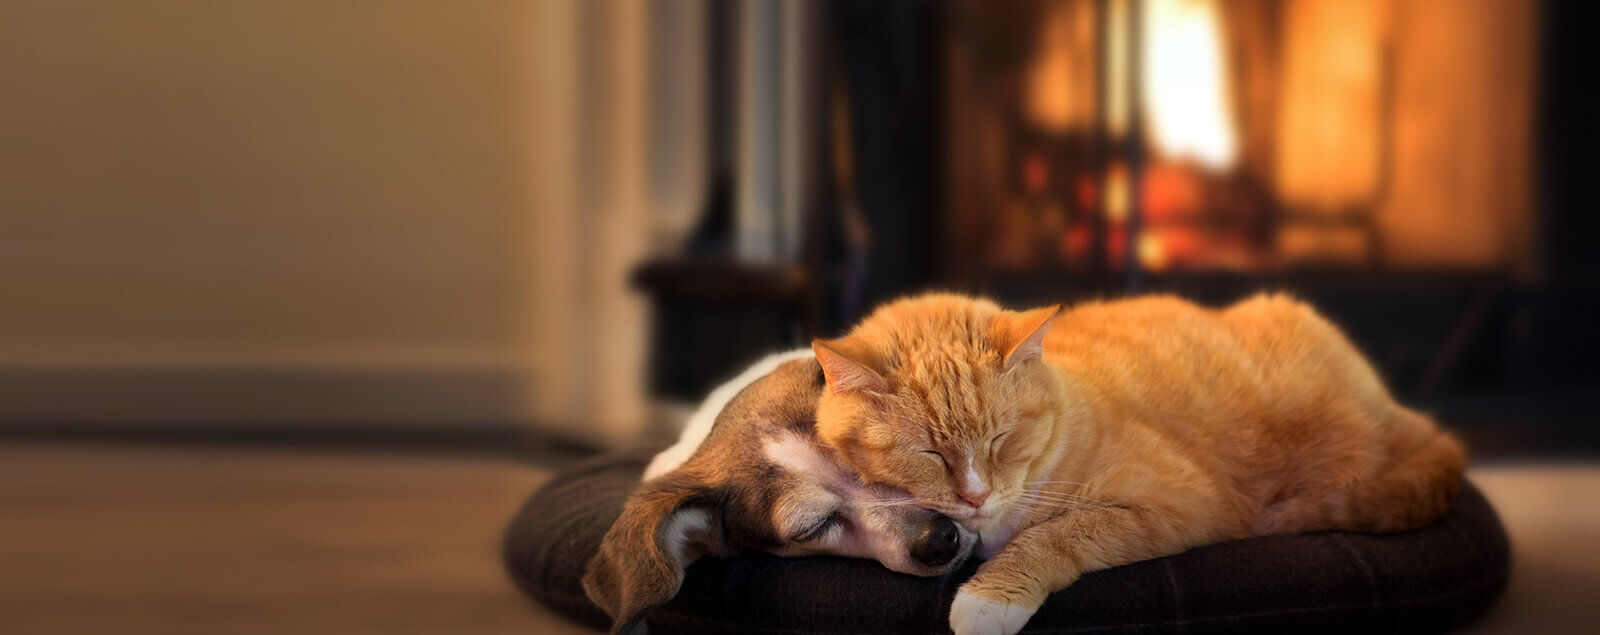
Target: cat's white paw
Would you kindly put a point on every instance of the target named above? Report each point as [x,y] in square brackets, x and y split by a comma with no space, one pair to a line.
[973,614]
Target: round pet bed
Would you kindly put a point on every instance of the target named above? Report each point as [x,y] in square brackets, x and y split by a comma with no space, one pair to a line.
[1430,580]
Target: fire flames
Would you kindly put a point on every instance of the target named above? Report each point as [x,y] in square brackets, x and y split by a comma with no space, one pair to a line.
[1185,82]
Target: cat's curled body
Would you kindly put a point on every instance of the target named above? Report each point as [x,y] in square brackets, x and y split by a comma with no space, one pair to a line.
[1123,431]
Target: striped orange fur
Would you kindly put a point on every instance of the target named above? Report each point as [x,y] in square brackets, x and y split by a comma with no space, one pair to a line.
[1122,431]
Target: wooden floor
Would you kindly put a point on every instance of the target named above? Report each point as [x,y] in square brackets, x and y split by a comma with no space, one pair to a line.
[207,541]
[178,540]
[1552,512]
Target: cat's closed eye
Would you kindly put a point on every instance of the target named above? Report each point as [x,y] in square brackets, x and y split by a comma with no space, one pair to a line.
[994,444]
[937,457]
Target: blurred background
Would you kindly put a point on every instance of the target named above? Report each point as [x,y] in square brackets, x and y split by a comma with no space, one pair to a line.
[374,251]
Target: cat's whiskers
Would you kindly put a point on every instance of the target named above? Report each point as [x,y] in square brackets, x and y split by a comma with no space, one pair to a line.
[1044,490]
[1064,495]
[1061,503]
[1076,500]
[1066,506]
[1065,483]
[884,503]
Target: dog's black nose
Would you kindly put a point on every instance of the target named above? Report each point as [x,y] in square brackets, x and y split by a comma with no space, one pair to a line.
[938,543]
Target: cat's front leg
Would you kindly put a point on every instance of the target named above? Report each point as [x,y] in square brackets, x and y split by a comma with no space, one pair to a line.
[982,611]
[1004,594]
[1008,589]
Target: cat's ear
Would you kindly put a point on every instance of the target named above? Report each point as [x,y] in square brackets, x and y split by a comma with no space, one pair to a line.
[1020,335]
[844,364]
[664,526]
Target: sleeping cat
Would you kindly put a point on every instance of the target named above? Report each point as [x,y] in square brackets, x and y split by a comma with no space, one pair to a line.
[1123,431]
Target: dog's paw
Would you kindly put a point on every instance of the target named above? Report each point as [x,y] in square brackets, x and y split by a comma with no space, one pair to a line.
[975,614]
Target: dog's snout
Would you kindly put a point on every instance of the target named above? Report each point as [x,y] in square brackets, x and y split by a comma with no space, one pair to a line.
[940,542]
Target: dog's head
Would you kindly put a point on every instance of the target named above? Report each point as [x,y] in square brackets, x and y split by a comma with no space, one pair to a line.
[760,479]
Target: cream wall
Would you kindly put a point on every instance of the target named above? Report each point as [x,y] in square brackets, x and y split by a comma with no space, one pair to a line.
[311,191]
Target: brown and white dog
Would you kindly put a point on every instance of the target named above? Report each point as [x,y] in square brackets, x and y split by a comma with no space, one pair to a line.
[750,473]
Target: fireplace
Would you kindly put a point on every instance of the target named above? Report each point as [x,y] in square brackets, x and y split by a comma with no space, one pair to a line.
[1420,170]
[1133,138]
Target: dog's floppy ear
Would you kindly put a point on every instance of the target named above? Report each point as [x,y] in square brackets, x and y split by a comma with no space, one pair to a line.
[664,526]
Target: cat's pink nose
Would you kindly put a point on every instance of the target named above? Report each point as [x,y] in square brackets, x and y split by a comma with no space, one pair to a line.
[971,488]
[975,497]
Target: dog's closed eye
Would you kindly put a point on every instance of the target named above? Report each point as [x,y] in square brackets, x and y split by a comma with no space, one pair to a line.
[820,528]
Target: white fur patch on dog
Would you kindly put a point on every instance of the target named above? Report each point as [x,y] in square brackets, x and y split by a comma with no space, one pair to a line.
[798,455]
[680,529]
[699,425]
[972,614]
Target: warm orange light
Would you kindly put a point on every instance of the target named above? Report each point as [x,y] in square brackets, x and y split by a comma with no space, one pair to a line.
[1077,240]
[1035,172]
[1116,194]
[1168,192]
[1116,246]
[1184,79]
[1185,82]
[1061,90]
[1328,155]
[1152,252]
[1088,191]
[1117,75]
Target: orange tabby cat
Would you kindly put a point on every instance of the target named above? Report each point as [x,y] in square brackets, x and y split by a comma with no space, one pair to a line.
[1124,431]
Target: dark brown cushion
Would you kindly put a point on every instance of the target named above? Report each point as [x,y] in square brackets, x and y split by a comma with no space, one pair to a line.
[1429,580]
